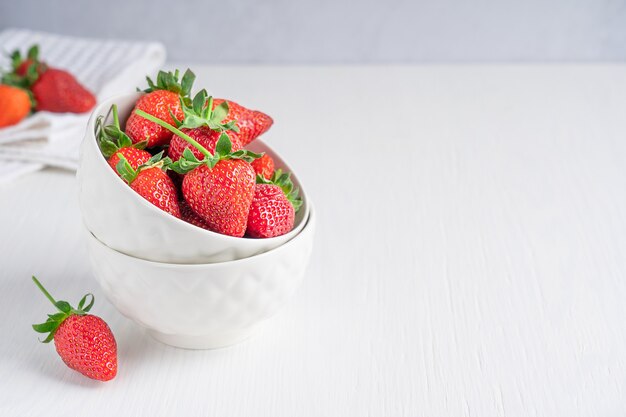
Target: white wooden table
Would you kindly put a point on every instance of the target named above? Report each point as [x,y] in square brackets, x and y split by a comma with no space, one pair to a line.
[470,257]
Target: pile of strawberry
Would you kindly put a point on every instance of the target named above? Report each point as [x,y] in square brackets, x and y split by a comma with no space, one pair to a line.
[31,86]
[187,156]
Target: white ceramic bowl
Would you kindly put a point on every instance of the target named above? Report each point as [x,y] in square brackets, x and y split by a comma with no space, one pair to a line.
[124,221]
[202,306]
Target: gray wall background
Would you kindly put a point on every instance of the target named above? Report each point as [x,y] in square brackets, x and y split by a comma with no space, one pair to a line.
[344,31]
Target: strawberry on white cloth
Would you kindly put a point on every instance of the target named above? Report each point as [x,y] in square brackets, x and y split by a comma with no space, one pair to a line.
[105,67]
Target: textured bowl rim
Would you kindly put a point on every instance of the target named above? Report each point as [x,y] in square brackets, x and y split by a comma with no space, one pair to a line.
[309,224]
[91,125]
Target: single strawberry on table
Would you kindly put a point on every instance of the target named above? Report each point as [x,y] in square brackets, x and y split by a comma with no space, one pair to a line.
[251,123]
[220,186]
[204,123]
[15,105]
[163,101]
[83,341]
[274,206]
[114,142]
[152,183]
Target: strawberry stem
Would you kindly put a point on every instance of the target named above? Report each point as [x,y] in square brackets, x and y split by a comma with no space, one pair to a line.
[210,107]
[116,118]
[44,291]
[53,322]
[176,131]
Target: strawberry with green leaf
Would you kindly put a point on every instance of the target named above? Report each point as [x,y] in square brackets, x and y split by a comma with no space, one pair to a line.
[218,187]
[264,166]
[204,123]
[251,123]
[22,66]
[83,341]
[114,142]
[24,70]
[274,206]
[151,182]
[53,89]
[163,101]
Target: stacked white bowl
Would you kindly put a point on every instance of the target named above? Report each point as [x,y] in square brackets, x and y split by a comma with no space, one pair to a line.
[189,287]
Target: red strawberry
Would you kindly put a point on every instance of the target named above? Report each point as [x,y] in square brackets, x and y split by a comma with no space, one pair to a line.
[150,182]
[15,105]
[158,103]
[221,195]
[83,341]
[264,166]
[24,70]
[155,186]
[273,207]
[162,100]
[204,135]
[219,187]
[58,91]
[188,215]
[271,214]
[251,123]
[54,90]
[22,67]
[135,157]
[203,123]
[114,142]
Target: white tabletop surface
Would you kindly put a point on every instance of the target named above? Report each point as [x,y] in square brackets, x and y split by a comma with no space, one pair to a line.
[470,258]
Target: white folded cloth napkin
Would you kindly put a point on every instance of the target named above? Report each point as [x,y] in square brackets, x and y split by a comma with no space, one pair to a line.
[105,67]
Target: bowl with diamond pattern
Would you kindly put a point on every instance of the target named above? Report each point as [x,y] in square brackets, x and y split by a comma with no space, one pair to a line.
[202,306]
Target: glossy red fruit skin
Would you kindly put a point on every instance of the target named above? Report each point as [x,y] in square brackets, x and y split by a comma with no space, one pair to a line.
[86,344]
[58,91]
[188,215]
[264,166]
[134,156]
[155,186]
[271,214]
[204,135]
[221,195]
[251,123]
[157,103]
